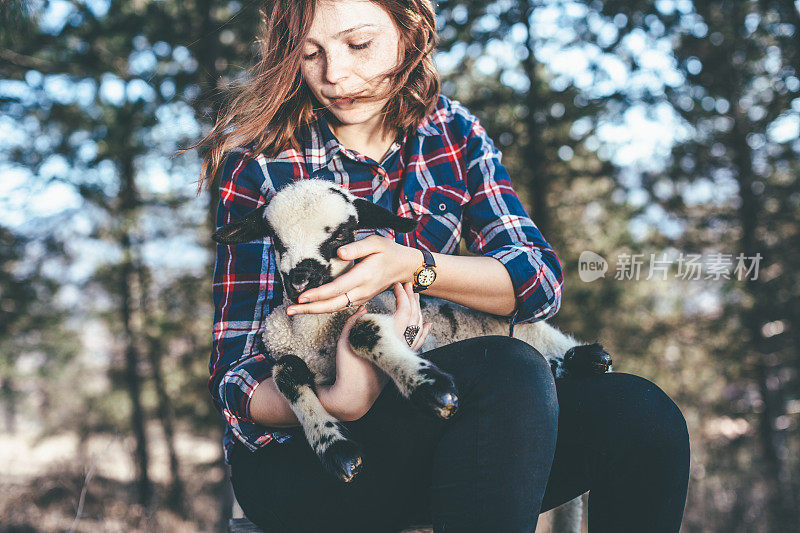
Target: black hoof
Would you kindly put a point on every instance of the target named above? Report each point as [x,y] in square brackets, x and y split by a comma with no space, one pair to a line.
[587,360]
[342,459]
[439,396]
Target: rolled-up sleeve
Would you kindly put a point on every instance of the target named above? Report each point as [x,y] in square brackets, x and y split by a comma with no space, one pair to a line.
[244,292]
[499,227]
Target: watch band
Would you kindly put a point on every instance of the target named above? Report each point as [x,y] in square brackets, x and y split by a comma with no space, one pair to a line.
[427,257]
[428,263]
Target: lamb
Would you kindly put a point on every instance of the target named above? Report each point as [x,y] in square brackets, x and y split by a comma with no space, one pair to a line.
[307,221]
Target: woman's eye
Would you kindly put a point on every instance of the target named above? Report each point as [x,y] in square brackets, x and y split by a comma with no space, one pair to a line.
[360,46]
[310,56]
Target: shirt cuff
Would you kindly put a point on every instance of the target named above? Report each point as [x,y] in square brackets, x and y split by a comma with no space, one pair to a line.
[538,295]
[236,390]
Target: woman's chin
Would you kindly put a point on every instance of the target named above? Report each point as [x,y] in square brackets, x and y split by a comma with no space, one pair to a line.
[357,113]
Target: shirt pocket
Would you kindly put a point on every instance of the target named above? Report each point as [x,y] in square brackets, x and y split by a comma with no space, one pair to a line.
[439,211]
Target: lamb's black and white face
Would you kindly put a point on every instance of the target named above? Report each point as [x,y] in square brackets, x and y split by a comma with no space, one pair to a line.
[308,221]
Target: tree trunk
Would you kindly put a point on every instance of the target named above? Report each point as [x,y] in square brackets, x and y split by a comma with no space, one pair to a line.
[207,57]
[9,405]
[165,415]
[209,105]
[772,442]
[535,157]
[128,202]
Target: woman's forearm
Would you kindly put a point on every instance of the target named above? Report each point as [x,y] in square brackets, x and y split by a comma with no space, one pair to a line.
[478,282]
[269,407]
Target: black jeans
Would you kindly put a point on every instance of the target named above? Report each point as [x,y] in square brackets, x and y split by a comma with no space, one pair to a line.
[521,443]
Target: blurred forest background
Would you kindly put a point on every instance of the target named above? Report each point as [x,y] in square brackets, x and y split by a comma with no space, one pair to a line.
[641,130]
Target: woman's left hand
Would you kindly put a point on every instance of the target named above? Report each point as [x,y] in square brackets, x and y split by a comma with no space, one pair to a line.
[383,263]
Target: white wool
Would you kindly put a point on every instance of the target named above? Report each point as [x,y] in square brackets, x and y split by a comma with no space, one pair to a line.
[299,216]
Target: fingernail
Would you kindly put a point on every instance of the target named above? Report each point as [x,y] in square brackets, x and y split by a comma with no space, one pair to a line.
[303,300]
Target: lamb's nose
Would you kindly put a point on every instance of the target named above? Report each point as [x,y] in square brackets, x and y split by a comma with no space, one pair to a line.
[299,279]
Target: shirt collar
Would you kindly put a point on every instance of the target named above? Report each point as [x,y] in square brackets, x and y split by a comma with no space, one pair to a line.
[320,145]
[428,126]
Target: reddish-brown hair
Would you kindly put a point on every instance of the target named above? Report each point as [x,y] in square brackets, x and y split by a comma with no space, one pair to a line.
[273,102]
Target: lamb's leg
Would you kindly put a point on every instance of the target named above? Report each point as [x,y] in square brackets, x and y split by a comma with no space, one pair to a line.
[373,338]
[587,359]
[566,355]
[326,435]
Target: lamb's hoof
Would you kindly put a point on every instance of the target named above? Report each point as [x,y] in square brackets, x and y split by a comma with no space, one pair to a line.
[587,360]
[342,459]
[438,395]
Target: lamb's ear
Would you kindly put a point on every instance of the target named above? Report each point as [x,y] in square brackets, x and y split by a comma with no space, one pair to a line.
[371,216]
[250,227]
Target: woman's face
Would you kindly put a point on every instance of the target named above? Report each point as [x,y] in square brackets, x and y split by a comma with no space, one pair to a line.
[350,48]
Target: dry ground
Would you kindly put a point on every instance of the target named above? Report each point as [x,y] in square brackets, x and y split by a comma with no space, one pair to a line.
[41,480]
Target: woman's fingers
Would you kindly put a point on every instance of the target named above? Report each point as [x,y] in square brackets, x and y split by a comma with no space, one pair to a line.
[328,291]
[402,314]
[336,303]
[361,248]
[416,310]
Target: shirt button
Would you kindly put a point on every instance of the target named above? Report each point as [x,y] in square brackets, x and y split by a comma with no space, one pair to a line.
[442,207]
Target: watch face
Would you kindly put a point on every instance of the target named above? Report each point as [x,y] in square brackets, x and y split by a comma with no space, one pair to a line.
[426,276]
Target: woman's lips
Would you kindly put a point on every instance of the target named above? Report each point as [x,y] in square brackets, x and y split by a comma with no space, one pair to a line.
[347,100]
[344,101]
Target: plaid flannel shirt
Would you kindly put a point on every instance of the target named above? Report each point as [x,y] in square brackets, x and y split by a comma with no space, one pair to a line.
[454,185]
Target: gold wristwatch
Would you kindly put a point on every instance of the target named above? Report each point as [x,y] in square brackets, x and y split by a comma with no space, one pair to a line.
[426,273]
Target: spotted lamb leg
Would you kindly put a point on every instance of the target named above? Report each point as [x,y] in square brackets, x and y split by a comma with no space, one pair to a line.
[373,338]
[326,435]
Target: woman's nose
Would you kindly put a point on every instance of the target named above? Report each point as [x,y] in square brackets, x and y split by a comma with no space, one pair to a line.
[337,68]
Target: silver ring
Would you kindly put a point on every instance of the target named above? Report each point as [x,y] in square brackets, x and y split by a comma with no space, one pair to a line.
[349,303]
[410,334]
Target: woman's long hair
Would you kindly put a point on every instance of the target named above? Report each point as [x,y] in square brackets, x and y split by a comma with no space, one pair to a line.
[270,105]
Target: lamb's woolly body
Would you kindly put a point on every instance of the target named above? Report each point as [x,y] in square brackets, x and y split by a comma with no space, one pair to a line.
[313,337]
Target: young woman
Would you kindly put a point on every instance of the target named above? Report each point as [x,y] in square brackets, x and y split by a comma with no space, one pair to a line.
[346,91]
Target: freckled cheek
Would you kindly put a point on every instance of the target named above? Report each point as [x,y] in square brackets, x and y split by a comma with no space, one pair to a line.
[312,77]
[375,64]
